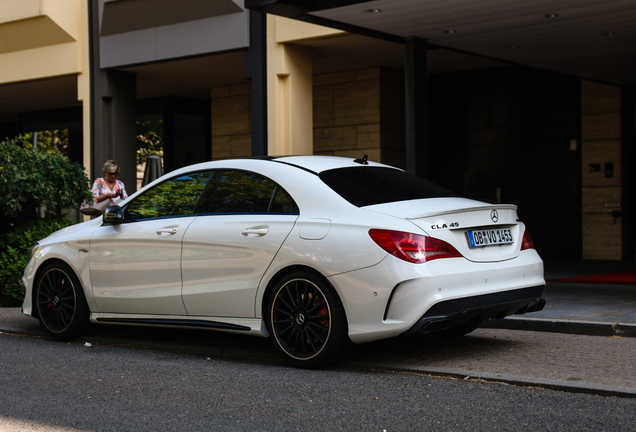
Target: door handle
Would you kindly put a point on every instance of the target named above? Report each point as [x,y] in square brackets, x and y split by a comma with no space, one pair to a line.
[170,231]
[259,230]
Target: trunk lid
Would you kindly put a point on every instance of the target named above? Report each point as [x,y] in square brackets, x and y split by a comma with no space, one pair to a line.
[451,219]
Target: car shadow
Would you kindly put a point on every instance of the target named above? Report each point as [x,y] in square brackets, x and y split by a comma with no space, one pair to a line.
[192,341]
[431,349]
[422,350]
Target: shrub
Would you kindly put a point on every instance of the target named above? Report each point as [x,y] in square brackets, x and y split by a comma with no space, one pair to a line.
[32,178]
[15,245]
[28,179]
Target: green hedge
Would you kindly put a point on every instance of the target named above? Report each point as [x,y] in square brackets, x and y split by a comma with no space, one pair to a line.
[33,178]
[15,245]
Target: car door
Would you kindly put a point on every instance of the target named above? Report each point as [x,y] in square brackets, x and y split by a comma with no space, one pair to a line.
[136,266]
[243,220]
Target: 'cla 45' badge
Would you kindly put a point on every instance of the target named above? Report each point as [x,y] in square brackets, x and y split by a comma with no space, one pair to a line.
[442,226]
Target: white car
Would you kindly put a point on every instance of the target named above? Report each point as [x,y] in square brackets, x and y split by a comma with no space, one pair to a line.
[313,251]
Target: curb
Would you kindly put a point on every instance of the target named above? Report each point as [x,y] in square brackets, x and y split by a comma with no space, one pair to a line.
[518,380]
[554,325]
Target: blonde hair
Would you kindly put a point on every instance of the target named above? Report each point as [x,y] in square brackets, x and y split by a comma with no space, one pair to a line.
[111,166]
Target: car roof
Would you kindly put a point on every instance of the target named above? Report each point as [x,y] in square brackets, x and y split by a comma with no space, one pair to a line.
[314,164]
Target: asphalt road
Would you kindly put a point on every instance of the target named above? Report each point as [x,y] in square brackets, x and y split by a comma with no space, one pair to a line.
[578,363]
[138,379]
[49,385]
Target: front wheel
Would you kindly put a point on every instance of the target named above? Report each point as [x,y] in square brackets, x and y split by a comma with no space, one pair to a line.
[307,321]
[60,302]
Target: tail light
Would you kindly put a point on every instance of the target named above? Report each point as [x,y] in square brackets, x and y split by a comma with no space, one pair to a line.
[413,248]
[527,243]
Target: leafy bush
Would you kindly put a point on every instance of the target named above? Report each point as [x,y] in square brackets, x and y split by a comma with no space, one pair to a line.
[15,245]
[32,178]
[56,140]
[149,139]
[28,179]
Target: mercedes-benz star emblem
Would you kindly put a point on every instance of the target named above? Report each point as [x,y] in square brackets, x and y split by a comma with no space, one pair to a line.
[494,216]
[300,319]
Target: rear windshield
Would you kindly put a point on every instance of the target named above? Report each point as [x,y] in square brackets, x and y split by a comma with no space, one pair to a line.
[364,186]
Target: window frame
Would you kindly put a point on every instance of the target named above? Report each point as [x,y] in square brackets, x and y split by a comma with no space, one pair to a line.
[126,208]
[271,199]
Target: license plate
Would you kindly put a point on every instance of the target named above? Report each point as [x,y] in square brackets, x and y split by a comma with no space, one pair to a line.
[490,237]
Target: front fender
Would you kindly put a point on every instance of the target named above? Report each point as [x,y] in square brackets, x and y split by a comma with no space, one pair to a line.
[70,245]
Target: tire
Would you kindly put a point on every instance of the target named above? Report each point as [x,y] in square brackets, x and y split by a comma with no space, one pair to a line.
[306,321]
[60,302]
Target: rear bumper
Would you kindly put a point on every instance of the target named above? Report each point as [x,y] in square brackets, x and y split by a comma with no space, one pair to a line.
[394,296]
[472,310]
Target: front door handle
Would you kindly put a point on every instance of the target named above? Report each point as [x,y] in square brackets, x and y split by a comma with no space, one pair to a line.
[258,230]
[169,231]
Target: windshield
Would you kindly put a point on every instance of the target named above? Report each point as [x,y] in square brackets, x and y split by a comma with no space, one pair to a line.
[365,186]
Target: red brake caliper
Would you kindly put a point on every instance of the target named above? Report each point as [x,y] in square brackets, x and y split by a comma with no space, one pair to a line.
[323,311]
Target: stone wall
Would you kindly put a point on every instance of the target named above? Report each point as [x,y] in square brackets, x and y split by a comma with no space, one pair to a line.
[601,171]
[360,112]
[356,112]
[231,121]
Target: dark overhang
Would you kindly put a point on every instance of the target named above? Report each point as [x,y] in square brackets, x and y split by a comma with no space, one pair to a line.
[296,8]
[585,38]
[302,10]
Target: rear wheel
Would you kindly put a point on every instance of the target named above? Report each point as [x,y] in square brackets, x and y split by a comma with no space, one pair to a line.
[60,302]
[307,321]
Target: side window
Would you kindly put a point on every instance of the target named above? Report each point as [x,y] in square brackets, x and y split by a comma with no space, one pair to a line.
[283,202]
[234,191]
[175,197]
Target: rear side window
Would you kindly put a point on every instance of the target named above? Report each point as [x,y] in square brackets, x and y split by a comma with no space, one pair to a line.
[365,186]
[236,191]
[282,202]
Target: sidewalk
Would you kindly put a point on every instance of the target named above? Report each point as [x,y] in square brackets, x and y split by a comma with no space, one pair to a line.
[581,308]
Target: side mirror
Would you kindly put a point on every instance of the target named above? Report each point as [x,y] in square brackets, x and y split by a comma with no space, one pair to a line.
[113,215]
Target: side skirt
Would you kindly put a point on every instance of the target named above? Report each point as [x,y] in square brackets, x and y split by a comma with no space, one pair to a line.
[251,326]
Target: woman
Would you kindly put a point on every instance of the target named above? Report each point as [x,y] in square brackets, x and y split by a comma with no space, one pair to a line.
[109,187]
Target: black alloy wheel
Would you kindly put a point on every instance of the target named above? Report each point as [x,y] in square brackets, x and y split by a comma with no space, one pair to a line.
[307,321]
[60,302]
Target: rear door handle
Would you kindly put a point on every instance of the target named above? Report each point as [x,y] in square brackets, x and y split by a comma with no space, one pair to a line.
[258,230]
[170,231]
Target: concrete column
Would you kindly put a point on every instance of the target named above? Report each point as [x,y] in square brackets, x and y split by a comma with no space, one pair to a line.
[629,157]
[84,87]
[256,70]
[113,113]
[416,87]
[290,99]
[113,125]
